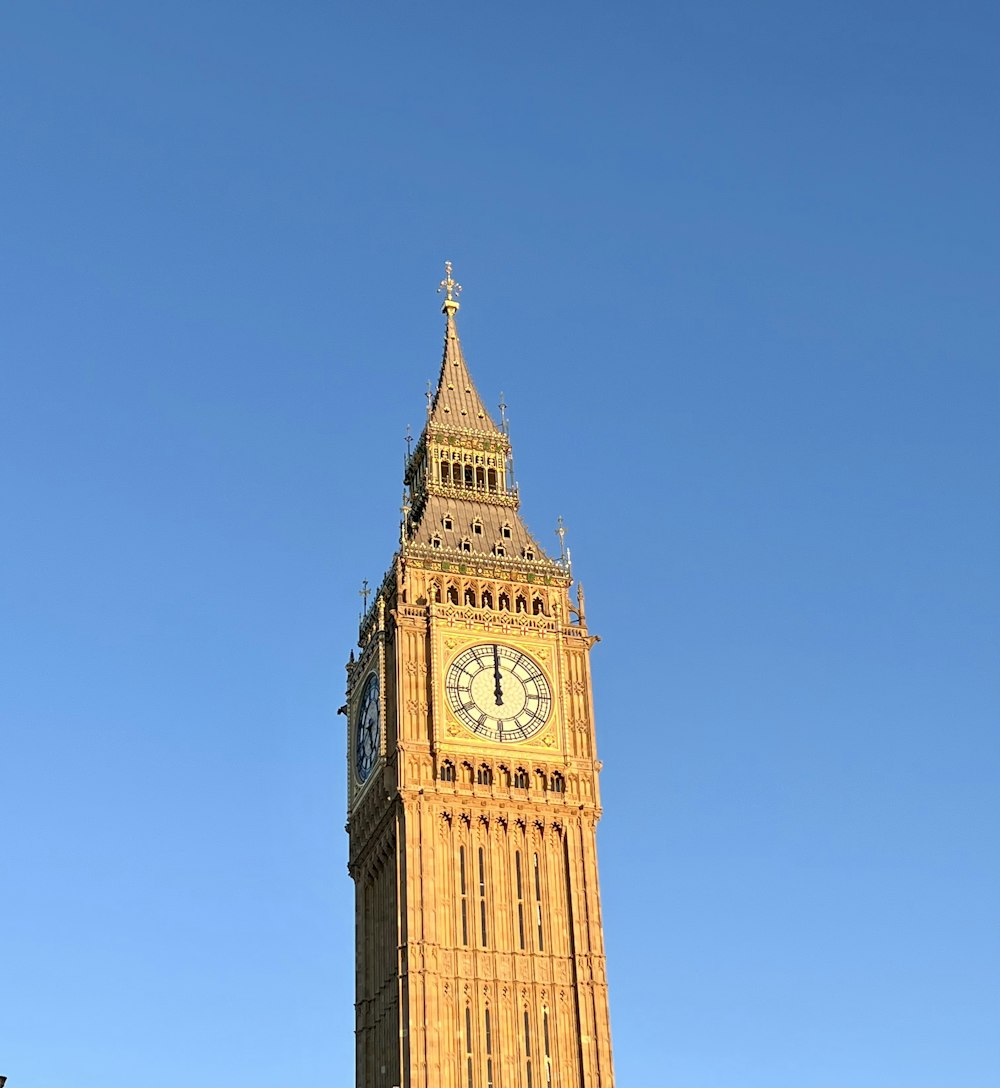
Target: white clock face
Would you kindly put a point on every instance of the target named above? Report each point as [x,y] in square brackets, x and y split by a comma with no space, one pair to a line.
[498,692]
[366,730]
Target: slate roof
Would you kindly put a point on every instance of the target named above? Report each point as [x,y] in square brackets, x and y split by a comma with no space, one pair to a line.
[464,512]
[456,402]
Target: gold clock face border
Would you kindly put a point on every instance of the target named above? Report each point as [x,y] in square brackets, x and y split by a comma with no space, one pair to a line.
[470,734]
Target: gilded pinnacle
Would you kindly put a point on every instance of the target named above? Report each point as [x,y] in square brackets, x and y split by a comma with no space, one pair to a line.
[451,289]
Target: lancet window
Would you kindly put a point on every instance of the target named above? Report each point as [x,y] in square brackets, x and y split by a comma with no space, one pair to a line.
[519,891]
[489,1048]
[464,906]
[482,896]
[538,905]
[468,1046]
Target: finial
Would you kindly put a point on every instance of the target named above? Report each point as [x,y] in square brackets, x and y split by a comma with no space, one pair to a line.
[404,522]
[409,441]
[364,593]
[451,290]
[561,533]
[430,398]
[503,413]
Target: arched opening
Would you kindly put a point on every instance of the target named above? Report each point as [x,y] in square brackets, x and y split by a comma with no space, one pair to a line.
[445,473]
[520,604]
[452,595]
[521,779]
[503,602]
[469,480]
[435,592]
[491,477]
[557,783]
[487,599]
[484,776]
[446,772]
[537,608]
[470,596]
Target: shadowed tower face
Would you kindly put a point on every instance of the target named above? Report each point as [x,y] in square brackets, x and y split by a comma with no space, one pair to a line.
[473,783]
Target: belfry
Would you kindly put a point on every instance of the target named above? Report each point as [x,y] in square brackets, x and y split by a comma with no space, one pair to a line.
[473,783]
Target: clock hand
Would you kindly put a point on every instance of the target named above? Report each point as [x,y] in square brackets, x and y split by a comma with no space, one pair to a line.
[497,690]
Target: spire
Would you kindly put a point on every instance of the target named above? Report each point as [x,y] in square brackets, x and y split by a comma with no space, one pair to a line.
[456,403]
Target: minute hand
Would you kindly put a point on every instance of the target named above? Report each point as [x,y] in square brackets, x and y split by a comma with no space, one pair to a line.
[497,689]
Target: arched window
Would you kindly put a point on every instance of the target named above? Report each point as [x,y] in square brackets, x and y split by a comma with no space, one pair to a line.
[521,778]
[487,599]
[470,596]
[446,772]
[491,477]
[469,480]
[452,595]
[503,602]
[445,473]
[435,592]
[484,776]
[481,478]
[520,605]
[557,783]
[536,607]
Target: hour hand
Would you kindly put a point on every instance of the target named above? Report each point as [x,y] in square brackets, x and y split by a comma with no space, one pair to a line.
[498,688]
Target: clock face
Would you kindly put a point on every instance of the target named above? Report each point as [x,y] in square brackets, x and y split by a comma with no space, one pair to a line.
[366,733]
[498,692]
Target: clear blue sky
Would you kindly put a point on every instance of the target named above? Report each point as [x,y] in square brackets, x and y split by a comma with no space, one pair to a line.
[735,267]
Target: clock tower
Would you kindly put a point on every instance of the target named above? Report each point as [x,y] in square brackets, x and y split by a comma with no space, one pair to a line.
[473,783]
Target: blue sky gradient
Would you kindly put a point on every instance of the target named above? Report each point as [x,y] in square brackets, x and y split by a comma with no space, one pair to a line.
[735,268]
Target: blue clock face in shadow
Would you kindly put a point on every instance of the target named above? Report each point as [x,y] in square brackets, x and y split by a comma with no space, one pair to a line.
[367,729]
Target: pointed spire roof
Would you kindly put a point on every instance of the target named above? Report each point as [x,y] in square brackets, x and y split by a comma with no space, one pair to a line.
[457,402]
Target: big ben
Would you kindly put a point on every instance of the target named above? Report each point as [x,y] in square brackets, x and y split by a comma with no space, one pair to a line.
[473,794]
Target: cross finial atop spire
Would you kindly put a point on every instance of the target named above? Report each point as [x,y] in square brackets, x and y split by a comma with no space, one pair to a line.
[451,289]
